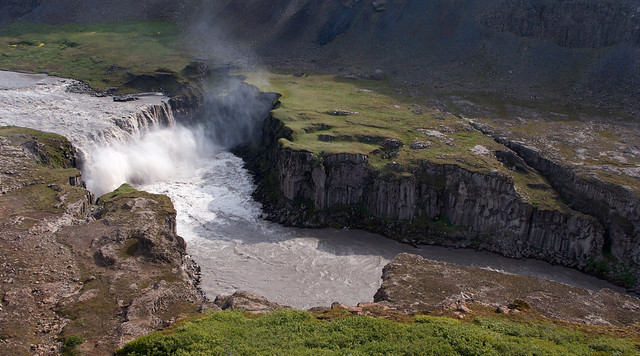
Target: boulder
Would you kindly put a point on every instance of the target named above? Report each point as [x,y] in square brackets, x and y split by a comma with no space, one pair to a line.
[246,301]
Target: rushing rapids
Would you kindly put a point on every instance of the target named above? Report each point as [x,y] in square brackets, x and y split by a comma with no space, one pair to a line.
[141,143]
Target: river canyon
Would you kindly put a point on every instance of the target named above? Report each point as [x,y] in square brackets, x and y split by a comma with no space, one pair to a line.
[140,142]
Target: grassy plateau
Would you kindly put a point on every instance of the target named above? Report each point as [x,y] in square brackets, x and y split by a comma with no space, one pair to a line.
[103,56]
[328,114]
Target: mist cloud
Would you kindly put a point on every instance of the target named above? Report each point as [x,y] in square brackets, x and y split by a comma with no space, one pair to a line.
[237,118]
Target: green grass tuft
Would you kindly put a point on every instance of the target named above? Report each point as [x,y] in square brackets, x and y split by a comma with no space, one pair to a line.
[71,343]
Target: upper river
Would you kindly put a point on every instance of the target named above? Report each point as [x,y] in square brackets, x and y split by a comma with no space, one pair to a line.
[217,216]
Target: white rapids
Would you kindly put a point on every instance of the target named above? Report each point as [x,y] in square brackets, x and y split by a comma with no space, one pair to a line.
[222,224]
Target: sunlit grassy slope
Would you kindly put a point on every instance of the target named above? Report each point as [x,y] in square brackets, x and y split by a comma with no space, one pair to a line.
[376,112]
[300,333]
[103,55]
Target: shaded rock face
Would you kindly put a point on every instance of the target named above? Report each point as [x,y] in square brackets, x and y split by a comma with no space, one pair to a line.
[442,204]
[340,179]
[522,47]
[79,11]
[613,204]
[417,285]
[572,23]
[10,10]
[616,207]
[414,39]
[235,118]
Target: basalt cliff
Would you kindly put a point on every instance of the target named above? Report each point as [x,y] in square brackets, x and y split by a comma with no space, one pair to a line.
[593,225]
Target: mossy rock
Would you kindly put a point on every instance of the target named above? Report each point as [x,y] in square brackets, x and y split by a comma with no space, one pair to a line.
[124,189]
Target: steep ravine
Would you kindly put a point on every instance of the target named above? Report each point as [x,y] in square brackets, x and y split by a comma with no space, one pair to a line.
[448,205]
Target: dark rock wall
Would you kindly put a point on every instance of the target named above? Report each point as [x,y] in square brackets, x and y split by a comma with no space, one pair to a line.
[11,10]
[548,49]
[432,203]
[570,23]
[540,48]
[84,12]
[615,206]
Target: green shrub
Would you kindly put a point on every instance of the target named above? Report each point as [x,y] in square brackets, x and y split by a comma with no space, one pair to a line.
[71,342]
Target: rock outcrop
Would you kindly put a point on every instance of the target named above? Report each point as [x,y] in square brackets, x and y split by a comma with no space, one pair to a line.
[246,301]
[103,273]
[416,285]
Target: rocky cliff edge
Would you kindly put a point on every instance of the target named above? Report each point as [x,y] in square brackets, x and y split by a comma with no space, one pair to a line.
[73,273]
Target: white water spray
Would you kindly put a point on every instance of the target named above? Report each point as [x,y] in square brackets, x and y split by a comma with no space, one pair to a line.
[162,154]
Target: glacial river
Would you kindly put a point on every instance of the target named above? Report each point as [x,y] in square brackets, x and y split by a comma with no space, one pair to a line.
[222,224]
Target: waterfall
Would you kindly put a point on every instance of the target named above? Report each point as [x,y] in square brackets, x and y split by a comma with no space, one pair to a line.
[117,142]
[140,142]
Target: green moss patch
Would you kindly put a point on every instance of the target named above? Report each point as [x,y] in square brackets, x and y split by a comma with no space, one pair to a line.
[124,189]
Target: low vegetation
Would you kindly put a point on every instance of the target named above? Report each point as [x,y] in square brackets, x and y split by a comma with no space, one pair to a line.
[129,56]
[121,190]
[290,332]
[71,343]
